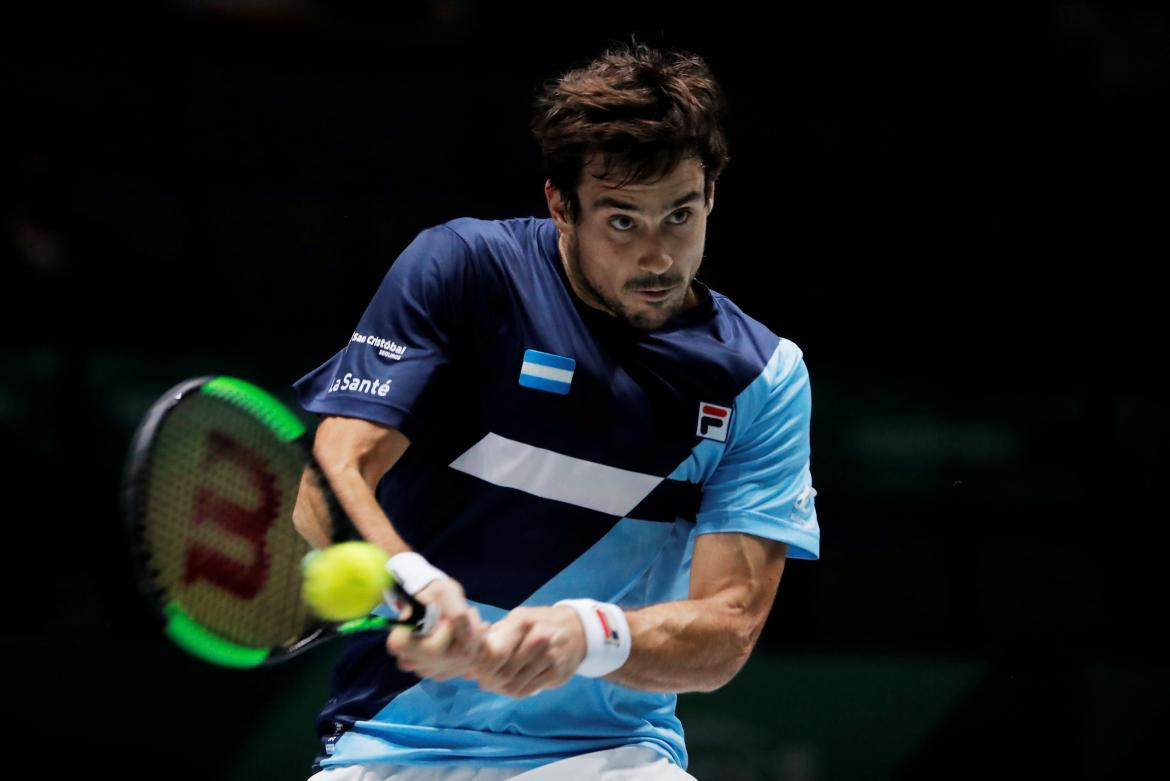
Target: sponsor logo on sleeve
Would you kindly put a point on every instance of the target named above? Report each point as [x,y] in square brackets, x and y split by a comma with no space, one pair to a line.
[387,348]
[713,421]
[358,385]
[803,508]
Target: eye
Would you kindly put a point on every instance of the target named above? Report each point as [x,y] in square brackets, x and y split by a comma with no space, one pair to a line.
[613,222]
[683,214]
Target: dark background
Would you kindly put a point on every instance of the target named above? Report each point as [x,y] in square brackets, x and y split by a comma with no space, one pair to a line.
[957,213]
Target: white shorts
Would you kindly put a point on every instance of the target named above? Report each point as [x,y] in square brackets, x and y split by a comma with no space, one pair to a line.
[625,763]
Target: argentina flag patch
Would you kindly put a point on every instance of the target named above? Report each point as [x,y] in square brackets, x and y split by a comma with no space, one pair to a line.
[547,372]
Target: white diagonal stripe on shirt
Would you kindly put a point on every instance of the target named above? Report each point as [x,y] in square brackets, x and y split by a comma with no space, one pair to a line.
[545,473]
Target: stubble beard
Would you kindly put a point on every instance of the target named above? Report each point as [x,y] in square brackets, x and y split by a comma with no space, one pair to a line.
[646,320]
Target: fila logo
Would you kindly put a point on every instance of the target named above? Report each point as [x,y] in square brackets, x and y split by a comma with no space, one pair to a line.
[611,635]
[713,421]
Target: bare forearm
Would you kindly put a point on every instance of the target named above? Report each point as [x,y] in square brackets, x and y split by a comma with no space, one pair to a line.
[354,455]
[693,645]
[357,498]
[700,643]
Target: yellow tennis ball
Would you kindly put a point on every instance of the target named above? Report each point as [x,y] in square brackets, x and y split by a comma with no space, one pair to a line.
[345,581]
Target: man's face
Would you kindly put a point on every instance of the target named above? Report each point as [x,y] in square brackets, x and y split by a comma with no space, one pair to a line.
[635,249]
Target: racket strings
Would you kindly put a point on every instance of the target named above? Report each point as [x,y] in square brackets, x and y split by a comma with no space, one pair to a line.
[218,523]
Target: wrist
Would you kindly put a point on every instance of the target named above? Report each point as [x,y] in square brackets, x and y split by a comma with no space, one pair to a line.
[413,572]
[607,636]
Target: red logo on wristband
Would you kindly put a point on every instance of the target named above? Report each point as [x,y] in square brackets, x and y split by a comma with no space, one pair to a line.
[611,635]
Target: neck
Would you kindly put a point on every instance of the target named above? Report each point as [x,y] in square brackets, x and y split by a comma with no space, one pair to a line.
[575,284]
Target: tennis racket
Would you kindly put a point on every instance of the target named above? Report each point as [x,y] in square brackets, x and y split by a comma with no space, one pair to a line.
[208,494]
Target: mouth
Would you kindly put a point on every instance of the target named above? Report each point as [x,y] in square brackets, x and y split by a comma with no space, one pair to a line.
[655,293]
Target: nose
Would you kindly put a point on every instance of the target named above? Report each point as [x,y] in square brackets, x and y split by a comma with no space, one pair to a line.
[655,257]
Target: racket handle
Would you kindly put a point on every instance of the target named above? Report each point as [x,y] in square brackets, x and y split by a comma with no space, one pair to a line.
[343,528]
[431,615]
[401,601]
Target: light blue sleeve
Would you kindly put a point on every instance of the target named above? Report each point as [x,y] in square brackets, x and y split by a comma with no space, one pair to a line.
[763,484]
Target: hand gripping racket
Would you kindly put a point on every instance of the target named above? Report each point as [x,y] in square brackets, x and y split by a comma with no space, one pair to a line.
[208,494]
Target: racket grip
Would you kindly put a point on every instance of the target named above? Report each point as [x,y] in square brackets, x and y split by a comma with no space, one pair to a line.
[343,528]
[423,618]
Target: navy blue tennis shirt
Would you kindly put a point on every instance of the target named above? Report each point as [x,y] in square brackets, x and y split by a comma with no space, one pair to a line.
[556,452]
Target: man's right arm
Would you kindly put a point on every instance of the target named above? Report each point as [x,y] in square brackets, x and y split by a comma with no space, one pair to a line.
[354,454]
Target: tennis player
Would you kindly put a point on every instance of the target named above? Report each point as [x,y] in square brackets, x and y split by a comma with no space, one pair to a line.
[596,465]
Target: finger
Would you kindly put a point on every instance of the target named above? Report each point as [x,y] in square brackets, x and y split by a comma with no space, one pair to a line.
[500,642]
[460,625]
[515,672]
[558,674]
[524,682]
[436,643]
[469,637]
[447,596]
[468,626]
[409,646]
[399,640]
[532,650]
[424,656]
[447,593]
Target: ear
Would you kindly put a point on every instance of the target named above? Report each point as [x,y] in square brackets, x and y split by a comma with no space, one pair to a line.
[556,207]
[710,198]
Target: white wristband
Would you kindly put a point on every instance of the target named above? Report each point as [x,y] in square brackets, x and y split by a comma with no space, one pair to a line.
[413,572]
[607,636]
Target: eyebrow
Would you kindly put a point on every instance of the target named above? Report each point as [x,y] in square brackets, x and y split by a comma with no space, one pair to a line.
[609,200]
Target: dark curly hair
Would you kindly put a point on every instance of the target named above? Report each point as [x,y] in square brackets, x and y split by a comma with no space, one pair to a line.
[644,109]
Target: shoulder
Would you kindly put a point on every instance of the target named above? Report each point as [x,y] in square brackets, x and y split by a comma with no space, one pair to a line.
[495,237]
[481,251]
[473,262]
[750,349]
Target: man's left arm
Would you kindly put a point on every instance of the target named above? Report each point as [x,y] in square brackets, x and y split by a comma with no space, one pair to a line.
[761,490]
[700,643]
[697,644]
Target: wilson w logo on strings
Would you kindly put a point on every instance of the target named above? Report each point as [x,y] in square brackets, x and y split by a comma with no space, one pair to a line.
[249,525]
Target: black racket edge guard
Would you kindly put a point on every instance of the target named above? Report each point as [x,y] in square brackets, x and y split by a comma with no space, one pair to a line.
[133,495]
